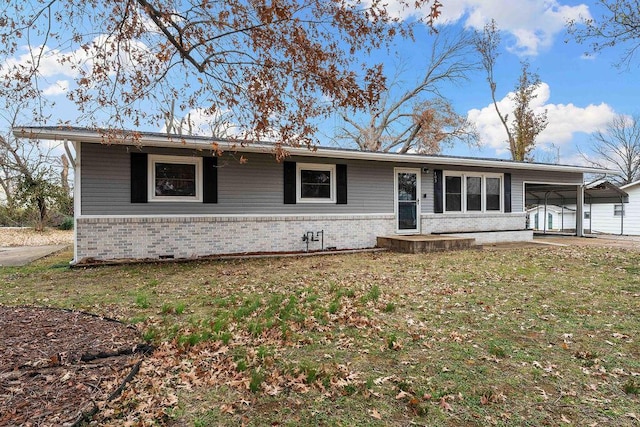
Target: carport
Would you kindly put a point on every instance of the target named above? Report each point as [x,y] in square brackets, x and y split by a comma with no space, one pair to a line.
[580,196]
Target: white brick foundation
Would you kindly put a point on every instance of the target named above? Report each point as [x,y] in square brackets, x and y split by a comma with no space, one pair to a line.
[466,222]
[191,237]
[104,238]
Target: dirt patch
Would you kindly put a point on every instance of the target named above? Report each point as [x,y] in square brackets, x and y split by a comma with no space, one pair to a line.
[59,366]
[13,236]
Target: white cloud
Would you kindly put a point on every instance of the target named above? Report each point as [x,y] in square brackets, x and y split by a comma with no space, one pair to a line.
[48,61]
[60,87]
[532,24]
[564,121]
[56,63]
[204,123]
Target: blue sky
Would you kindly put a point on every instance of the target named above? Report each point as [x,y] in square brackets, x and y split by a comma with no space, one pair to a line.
[581,93]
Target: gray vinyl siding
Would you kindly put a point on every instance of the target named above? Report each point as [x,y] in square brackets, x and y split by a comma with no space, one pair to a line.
[256,187]
[518,178]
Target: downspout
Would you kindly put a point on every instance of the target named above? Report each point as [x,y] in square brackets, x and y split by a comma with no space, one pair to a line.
[69,156]
[77,196]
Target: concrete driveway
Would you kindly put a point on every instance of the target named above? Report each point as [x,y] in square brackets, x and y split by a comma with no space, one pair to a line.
[599,240]
[23,255]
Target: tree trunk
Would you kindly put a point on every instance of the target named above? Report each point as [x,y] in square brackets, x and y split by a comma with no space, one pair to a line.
[64,174]
[42,213]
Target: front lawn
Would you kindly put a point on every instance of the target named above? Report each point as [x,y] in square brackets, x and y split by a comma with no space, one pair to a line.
[529,336]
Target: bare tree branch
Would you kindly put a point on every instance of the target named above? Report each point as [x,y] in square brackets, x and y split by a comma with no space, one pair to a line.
[420,118]
[618,147]
[526,124]
[618,25]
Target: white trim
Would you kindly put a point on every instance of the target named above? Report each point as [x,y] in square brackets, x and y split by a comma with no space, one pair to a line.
[396,201]
[190,142]
[500,192]
[239,216]
[463,190]
[331,168]
[629,185]
[178,160]
[77,196]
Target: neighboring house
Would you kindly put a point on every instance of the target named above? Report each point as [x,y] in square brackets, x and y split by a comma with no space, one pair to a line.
[174,197]
[552,218]
[617,218]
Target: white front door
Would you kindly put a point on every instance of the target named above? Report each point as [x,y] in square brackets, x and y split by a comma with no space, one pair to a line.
[407,199]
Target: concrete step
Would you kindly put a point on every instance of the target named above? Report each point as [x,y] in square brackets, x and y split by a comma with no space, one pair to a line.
[425,243]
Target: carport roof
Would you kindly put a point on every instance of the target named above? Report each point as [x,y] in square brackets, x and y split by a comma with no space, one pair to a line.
[595,192]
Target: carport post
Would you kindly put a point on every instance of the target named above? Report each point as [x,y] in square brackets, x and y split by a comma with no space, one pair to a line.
[622,216]
[579,211]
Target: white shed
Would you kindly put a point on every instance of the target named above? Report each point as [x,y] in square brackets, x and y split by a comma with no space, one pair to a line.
[552,218]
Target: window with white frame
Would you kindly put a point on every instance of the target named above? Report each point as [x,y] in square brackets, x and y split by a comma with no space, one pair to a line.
[175,178]
[316,183]
[618,210]
[473,192]
[453,193]
[493,191]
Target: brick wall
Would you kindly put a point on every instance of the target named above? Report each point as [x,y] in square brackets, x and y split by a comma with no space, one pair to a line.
[467,222]
[190,237]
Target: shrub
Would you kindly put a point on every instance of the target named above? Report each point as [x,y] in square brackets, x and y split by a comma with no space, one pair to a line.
[66,224]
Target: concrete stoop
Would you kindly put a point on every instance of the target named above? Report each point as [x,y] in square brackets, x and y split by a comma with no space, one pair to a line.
[421,243]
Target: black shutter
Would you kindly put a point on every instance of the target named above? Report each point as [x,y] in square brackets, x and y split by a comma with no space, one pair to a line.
[341,184]
[507,192]
[138,178]
[209,180]
[437,191]
[289,183]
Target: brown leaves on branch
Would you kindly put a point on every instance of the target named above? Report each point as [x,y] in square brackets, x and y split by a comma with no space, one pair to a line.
[275,65]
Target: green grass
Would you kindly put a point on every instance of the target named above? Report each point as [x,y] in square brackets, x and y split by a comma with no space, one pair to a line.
[525,337]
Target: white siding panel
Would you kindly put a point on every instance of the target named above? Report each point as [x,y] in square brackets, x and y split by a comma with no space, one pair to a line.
[604,221]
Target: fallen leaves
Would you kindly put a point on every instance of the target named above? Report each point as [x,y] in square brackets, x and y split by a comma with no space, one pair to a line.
[430,357]
[444,405]
[375,414]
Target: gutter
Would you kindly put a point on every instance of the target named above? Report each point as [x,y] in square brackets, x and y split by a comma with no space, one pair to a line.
[194,142]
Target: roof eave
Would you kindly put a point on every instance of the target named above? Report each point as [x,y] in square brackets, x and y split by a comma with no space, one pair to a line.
[253,147]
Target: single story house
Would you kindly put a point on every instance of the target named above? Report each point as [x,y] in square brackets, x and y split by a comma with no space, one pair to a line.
[151,195]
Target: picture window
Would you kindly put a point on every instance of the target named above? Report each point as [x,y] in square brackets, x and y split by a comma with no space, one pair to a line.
[316,183]
[175,178]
